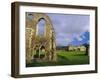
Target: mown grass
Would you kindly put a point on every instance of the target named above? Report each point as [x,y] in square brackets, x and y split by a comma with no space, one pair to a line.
[65,58]
[73,57]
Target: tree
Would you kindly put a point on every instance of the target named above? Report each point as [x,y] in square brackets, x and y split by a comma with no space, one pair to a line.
[87,49]
[67,48]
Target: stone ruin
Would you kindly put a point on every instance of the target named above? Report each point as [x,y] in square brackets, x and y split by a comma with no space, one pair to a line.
[35,45]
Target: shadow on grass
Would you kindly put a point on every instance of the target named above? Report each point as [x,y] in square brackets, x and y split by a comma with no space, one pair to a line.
[60,56]
[80,55]
[62,60]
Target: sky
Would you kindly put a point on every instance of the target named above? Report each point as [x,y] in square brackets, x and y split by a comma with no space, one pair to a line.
[70,29]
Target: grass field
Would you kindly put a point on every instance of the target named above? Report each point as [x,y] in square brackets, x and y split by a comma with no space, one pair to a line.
[65,58]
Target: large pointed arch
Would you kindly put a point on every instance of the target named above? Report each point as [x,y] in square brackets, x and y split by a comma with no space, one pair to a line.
[49,43]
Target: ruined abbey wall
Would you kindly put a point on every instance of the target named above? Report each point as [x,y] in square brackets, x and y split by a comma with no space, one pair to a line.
[33,42]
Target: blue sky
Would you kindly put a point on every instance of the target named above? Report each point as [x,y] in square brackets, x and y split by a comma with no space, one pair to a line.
[70,29]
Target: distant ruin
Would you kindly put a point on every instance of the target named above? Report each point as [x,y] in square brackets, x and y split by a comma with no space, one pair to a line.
[76,48]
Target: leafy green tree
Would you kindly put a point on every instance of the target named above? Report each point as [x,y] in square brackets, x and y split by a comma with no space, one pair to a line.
[87,49]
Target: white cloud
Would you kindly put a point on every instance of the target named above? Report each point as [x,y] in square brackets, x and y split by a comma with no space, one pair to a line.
[79,39]
[83,36]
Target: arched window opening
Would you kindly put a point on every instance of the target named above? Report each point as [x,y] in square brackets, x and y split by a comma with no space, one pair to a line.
[41,27]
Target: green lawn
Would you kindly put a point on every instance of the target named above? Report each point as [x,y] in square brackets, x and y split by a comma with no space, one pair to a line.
[65,58]
[72,57]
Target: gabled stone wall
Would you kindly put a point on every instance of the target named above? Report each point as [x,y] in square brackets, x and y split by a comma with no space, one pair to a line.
[34,42]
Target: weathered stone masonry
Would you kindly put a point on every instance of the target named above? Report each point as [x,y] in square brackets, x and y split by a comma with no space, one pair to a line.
[35,44]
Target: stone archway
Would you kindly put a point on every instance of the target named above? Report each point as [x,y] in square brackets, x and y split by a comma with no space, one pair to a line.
[33,40]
